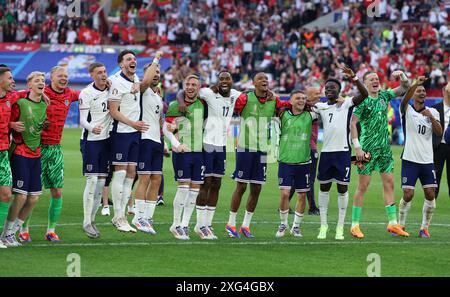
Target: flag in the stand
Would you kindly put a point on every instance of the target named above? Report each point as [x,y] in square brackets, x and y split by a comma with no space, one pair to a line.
[88,36]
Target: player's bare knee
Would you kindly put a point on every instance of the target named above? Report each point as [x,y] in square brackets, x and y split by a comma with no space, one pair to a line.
[56,193]
[241,188]
[430,193]
[216,183]
[255,189]
[408,195]
[325,187]
[342,189]
[5,195]
[156,179]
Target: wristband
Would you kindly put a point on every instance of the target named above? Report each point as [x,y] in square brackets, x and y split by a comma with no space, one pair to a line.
[356,143]
[355,78]
[156,61]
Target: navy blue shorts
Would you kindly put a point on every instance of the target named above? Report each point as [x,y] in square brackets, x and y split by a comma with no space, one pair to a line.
[251,167]
[297,176]
[335,167]
[214,158]
[125,148]
[412,171]
[188,167]
[151,154]
[95,157]
[26,174]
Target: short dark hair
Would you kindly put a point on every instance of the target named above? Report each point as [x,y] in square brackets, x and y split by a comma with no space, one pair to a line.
[3,65]
[122,54]
[3,70]
[367,74]
[334,81]
[297,91]
[95,65]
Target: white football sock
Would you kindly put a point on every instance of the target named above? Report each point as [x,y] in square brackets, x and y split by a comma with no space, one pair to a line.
[8,228]
[403,210]
[97,197]
[324,198]
[232,218]
[189,207]
[88,199]
[427,212]
[178,204]
[140,209]
[284,216]
[210,210]
[342,205]
[17,225]
[201,215]
[298,218]
[247,219]
[117,182]
[149,209]
[126,195]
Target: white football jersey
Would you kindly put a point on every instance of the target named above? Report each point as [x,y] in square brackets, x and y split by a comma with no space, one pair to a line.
[120,91]
[336,125]
[220,112]
[418,133]
[152,108]
[96,101]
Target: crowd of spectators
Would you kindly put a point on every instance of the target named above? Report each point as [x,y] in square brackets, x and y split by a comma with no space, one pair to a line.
[251,36]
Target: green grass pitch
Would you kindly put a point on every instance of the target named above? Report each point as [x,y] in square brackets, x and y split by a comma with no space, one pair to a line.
[117,254]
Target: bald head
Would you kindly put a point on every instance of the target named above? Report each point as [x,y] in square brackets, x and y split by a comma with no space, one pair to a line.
[313,94]
[261,83]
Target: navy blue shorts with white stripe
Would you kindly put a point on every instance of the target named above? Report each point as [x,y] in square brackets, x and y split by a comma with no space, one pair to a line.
[95,157]
[26,174]
[151,155]
[214,158]
[412,171]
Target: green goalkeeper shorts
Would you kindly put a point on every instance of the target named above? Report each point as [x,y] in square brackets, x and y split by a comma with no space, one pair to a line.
[381,161]
[52,162]
[5,170]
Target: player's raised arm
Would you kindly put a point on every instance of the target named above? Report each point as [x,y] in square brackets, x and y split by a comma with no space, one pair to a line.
[363,93]
[404,83]
[409,94]
[150,73]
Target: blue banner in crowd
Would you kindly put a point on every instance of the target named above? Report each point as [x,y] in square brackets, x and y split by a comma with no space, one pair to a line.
[23,64]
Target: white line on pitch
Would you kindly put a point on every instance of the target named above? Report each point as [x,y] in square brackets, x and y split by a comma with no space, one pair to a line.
[275,243]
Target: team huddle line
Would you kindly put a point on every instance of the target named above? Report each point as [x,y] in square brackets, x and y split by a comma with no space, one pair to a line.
[124,124]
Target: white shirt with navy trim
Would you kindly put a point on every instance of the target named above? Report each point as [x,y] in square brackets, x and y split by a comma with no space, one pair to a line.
[220,112]
[418,133]
[336,125]
[120,91]
[96,101]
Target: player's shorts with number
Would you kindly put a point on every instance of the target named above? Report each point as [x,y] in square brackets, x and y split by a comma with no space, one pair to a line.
[5,170]
[294,175]
[95,157]
[412,171]
[52,161]
[335,167]
[26,173]
[189,167]
[214,158]
[151,155]
[251,166]
[381,161]
[124,148]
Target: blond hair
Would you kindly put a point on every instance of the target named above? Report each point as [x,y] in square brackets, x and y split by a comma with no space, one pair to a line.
[57,68]
[34,74]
